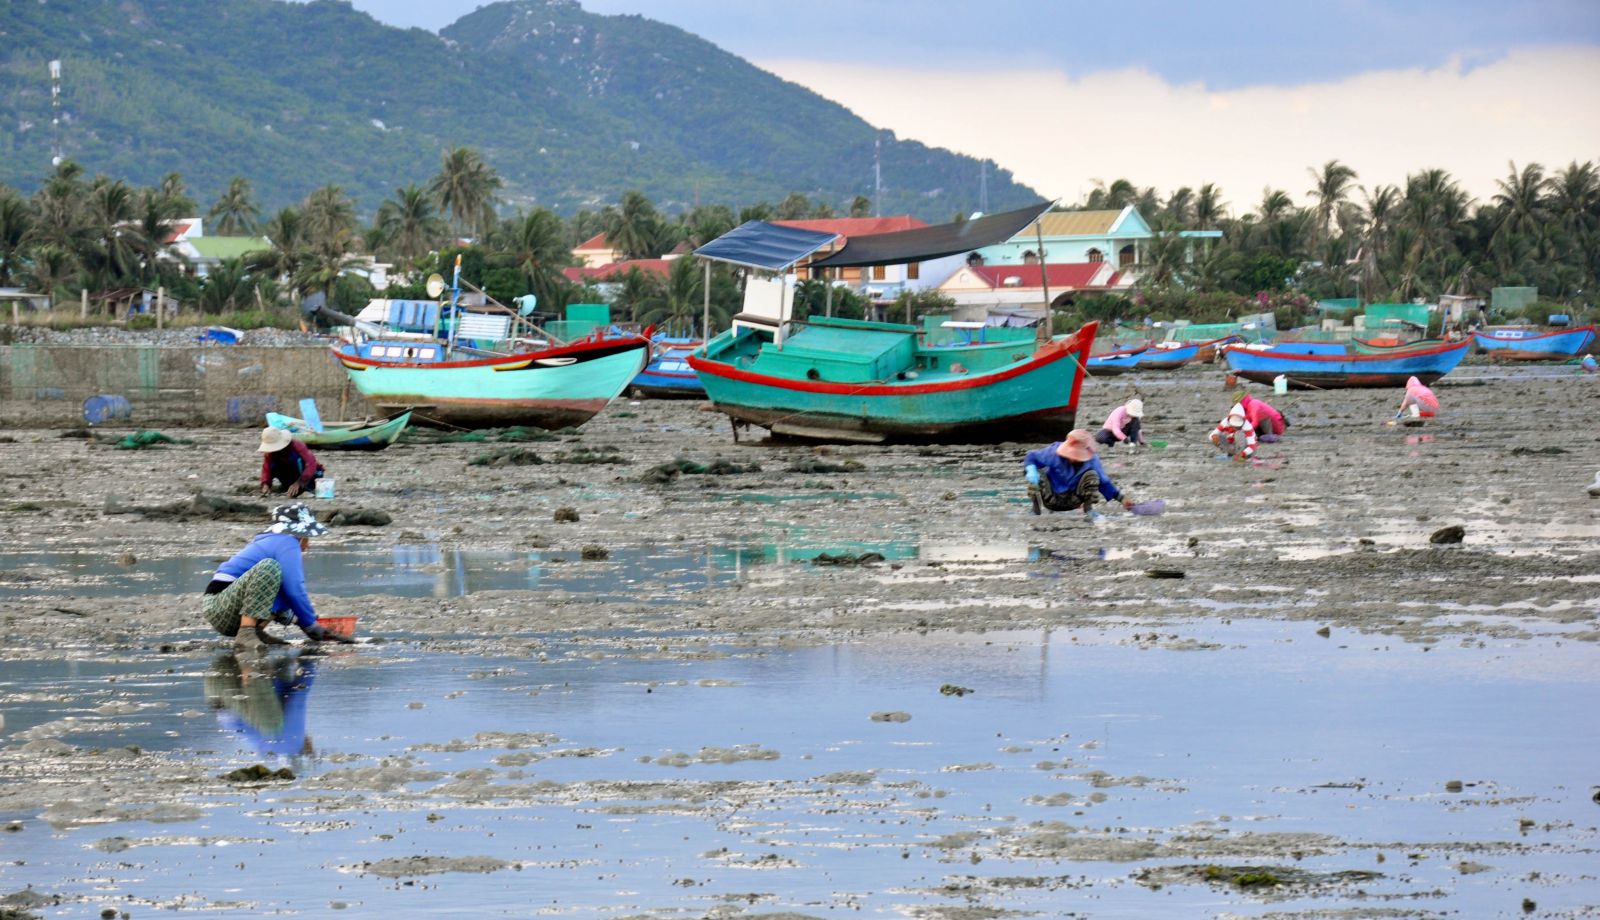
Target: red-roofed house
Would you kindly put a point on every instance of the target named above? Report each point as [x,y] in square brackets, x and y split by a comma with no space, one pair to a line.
[613,271]
[596,251]
[981,289]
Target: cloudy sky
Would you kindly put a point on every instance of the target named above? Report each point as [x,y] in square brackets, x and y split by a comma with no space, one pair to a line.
[1244,93]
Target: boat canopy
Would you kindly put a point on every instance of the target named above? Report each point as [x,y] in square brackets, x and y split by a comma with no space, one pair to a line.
[926,243]
[758,244]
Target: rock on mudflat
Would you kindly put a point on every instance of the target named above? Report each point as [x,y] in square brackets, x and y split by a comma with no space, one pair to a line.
[891,717]
[1455,533]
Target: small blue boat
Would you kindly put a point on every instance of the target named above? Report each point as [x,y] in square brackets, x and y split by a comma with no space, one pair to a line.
[1516,345]
[1112,363]
[668,375]
[1341,371]
[1160,358]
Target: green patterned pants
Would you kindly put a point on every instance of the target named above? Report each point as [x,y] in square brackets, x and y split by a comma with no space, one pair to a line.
[251,595]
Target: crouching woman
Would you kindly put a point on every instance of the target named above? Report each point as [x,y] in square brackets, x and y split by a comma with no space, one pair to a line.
[267,581]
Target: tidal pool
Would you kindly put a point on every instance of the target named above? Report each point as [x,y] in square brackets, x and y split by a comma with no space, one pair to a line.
[1094,772]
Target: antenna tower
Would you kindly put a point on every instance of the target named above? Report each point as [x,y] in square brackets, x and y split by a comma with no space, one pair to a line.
[55,113]
[983,186]
[877,177]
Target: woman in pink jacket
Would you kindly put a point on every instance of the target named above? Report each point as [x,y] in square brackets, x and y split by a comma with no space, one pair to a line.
[1268,422]
[1419,400]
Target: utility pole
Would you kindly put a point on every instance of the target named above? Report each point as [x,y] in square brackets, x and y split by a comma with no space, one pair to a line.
[983,187]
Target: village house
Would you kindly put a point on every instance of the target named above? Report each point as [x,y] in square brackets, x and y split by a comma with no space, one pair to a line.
[1116,237]
[1014,294]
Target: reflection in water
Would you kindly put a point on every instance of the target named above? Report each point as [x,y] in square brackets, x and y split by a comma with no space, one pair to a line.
[263,701]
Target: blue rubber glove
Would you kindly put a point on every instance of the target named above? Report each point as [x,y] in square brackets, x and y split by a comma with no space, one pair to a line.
[1033,475]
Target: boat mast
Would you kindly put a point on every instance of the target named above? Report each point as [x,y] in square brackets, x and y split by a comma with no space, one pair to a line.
[455,300]
[1048,327]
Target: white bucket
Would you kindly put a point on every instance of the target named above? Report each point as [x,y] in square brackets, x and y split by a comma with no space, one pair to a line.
[324,488]
[1280,384]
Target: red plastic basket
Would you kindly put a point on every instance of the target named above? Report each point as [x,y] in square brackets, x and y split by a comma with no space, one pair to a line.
[344,626]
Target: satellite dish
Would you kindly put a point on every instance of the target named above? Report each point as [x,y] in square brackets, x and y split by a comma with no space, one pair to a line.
[435,285]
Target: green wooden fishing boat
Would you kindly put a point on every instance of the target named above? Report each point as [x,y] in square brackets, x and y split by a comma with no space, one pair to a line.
[362,435]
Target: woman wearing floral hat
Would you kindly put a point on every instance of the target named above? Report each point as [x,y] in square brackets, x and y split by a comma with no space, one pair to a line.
[1068,476]
[267,581]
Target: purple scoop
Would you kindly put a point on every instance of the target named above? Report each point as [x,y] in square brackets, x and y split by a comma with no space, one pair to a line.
[1149,508]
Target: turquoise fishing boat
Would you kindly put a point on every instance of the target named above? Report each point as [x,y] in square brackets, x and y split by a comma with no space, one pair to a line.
[840,379]
[487,367]
[362,435]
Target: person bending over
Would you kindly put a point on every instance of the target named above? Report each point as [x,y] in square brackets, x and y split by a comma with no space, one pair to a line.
[1067,476]
[267,581]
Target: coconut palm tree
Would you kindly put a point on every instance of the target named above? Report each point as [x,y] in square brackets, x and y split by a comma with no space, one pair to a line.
[636,291]
[1521,205]
[681,300]
[1275,205]
[16,224]
[793,207]
[1330,187]
[60,208]
[1180,206]
[408,226]
[286,231]
[1574,200]
[1208,207]
[113,245]
[50,270]
[235,212]
[861,206]
[227,287]
[329,215]
[537,245]
[465,188]
[634,228]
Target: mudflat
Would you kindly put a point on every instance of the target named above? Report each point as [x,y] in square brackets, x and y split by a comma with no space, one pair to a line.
[640,670]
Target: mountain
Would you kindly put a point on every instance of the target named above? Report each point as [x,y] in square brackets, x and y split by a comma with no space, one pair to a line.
[571,107]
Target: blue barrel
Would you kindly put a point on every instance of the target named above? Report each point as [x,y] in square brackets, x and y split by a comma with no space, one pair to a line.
[97,409]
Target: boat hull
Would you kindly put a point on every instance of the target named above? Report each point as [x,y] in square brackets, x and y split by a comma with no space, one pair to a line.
[1554,346]
[1028,400]
[343,435]
[553,388]
[1170,359]
[1328,372]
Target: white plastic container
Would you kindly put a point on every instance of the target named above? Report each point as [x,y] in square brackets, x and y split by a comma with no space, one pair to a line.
[1280,384]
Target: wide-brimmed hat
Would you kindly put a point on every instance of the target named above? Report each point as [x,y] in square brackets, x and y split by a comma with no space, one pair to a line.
[1078,447]
[1135,408]
[296,519]
[274,439]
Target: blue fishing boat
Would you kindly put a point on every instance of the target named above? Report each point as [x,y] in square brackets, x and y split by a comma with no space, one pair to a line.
[839,379]
[668,375]
[1518,345]
[1112,363]
[1338,371]
[1168,356]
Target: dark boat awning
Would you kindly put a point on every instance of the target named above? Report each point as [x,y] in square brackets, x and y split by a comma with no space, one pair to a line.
[758,244]
[926,243]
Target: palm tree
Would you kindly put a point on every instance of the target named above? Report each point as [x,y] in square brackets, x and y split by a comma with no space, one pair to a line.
[16,224]
[681,300]
[1574,200]
[408,226]
[287,233]
[794,207]
[1180,206]
[50,269]
[635,292]
[1521,204]
[465,187]
[329,215]
[60,208]
[226,288]
[634,228]
[1275,205]
[235,212]
[1331,186]
[1208,207]
[537,245]
[113,244]
[861,206]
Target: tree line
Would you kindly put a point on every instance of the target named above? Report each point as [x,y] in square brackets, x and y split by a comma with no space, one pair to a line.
[1384,243]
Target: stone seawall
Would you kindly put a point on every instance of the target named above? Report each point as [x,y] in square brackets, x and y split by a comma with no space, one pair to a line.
[48,385]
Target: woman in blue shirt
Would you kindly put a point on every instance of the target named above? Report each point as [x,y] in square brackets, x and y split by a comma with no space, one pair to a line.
[1068,476]
[267,581]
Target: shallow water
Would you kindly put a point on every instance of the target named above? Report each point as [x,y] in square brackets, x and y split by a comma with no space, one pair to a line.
[1206,730]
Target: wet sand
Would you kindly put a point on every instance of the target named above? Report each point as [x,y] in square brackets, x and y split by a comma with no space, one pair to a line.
[1328,530]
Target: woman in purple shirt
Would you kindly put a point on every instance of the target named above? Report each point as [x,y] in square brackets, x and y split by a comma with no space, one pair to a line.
[267,581]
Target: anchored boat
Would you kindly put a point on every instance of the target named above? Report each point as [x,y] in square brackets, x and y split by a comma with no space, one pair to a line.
[841,379]
[668,375]
[1514,345]
[1337,371]
[486,367]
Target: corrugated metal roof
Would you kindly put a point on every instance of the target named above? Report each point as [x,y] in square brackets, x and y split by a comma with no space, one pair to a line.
[228,247]
[1073,223]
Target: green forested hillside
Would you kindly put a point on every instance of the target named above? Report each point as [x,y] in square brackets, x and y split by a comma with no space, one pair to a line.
[571,108]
